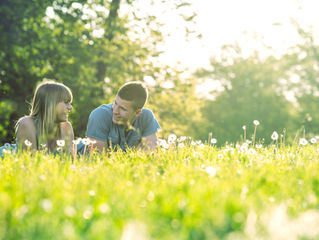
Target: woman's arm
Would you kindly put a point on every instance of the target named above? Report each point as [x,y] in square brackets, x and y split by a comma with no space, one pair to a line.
[26,133]
[67,135]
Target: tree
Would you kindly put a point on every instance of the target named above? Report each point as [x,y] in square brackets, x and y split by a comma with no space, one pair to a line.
[250,91]
[87,45]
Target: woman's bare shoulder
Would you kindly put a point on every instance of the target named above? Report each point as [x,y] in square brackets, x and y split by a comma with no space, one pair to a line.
[26,122]
[66,126]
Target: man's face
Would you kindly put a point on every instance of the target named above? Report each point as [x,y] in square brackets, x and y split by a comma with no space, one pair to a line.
[123,112]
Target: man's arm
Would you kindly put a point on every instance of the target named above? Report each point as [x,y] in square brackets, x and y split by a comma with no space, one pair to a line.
[149,143]
[99,145]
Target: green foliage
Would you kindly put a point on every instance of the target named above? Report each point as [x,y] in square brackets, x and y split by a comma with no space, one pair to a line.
[56,40]
[190,192]
[251,91]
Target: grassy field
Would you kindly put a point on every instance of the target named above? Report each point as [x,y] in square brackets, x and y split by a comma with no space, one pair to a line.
[193,191]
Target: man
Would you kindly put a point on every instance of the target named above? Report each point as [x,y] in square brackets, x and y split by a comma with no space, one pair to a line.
[124,123]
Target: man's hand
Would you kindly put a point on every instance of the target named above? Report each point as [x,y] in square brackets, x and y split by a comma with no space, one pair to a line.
[149,143]
[99,145]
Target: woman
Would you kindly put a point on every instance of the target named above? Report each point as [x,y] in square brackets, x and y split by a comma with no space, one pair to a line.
[48,119]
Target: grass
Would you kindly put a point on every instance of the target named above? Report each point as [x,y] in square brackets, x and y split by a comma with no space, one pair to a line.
[193,192]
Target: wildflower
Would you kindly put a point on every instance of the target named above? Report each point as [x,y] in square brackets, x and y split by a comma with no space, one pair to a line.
[86,141]
[182,139]
[60,143]
[211,171]
[303,142]
[46,205]
[213,141]
[313,140]
[92,193]
[42,177]
[244,127]
[150,196]
[256,122]
[27,143]
[77,141]
[251,151]
[274,136]
[181,145]
[104,208]
[69,211]
[220,156]
[171,138]
[88,212]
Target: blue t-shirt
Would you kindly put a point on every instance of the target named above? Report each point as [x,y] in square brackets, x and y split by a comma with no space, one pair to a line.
[101,127]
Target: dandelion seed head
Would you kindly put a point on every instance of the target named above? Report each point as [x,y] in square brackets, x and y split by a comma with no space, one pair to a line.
[220,156]
[43,177]
[181,145]
[69,211]
[92,193]
[27,143]
[274,136]
[259,145]
[303,141]
[172,138]
[77,141]
[213,140]
[313,140]
[182,139]
[88,212]
[211,171]
[60,143]
[201,146]
[104,208]
[244,127]
[256,122]
[86,141]
[46,204]
[251,151]
[150,196]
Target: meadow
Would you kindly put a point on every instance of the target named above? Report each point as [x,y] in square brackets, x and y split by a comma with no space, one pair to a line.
[183,190]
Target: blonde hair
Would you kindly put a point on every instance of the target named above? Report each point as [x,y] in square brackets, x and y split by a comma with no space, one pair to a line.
[46,97]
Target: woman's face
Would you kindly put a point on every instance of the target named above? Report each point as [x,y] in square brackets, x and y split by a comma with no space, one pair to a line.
[62,111]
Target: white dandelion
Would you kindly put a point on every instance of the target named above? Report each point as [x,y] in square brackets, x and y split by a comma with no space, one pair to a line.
[303,141]
[211,171]
[256,122]
[213,141]
[27,143]
[86,141]
[77,141]
[171,138]
[274,136]
[313,140]
[60,143]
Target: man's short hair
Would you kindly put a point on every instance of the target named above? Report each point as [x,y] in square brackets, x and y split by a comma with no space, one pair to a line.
[136,92]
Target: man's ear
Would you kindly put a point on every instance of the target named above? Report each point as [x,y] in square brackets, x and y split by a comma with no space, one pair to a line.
[138,112]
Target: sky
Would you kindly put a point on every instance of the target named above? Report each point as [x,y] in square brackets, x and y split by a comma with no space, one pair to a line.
[229,21]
